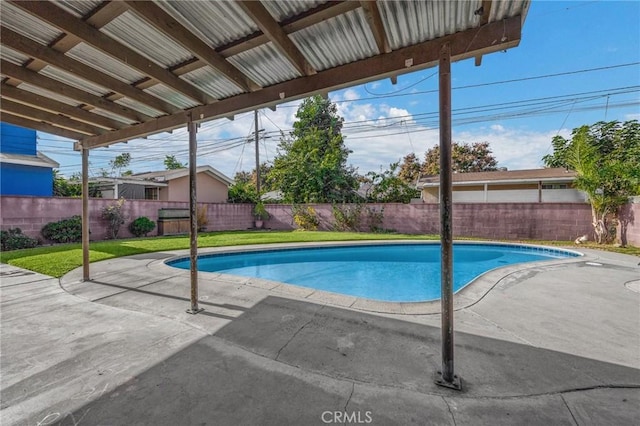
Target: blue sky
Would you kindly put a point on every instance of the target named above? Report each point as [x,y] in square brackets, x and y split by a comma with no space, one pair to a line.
[384,122]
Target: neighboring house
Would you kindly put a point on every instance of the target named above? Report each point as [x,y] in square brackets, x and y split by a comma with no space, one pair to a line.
[167,185]
[23,170]
[127,187]
[514,186]
[212,186]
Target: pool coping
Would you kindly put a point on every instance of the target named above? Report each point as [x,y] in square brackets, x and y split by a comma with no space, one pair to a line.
[469,295]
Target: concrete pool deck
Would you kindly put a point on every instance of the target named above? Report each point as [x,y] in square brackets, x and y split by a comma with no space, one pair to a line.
[555,343]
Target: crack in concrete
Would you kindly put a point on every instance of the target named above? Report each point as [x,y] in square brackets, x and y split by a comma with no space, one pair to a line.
[353,388]
[570,412]
[510,333]
[450,411]
[296,333]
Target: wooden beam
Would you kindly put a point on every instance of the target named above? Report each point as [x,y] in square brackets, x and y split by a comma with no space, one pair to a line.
[68,23]
[484,20]
[312,17]
[40,126]
[464,45]
[60,88]
[263,19]
[26,111]
[374,20]
[38,101]
[181,35]
[65,63]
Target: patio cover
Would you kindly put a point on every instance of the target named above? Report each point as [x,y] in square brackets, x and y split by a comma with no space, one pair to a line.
[103,72]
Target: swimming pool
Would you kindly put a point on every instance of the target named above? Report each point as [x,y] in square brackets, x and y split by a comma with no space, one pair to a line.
[386,272]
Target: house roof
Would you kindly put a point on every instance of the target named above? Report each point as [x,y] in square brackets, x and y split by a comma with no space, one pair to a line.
[558,174]
[103,72]
[110,181]
[167,175]
[39,160]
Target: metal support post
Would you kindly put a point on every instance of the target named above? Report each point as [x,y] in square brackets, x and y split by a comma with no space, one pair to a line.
[85,215]
[193,218]
[257,134]
[446,377]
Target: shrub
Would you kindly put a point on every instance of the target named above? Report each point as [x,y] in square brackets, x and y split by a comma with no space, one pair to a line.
[142,226]
[114,215]
[63,231]
[260,211]
[306,218]
[14,239]
[347,217]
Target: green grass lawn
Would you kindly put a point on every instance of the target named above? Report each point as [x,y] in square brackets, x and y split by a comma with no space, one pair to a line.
[59,259]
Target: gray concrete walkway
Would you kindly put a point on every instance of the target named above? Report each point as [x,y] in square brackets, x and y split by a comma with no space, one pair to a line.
[548,344]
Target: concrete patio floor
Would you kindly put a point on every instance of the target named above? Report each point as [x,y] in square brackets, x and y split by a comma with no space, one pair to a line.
[553,343]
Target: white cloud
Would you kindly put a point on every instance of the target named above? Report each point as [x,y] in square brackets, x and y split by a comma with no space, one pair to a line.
[497,127]
[634,116]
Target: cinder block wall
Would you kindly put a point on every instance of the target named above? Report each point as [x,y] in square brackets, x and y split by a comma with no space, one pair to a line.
[31,213]
[631,215]
[544,221]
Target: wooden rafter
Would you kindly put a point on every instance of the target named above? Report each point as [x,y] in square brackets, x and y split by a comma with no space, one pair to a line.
[48,117]
[181,35]
[464,44]
[40,126]
[263,19]
[484,20]
[42,102]
[55,86]
[374,19]
[66,22]
[65,63]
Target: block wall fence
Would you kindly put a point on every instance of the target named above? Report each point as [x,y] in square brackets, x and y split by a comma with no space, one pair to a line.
[544,221]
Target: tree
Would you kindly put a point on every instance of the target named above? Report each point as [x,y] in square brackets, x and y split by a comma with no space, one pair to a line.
[388,187]
[65,188]
[410,169]
[465,158]
[606,159]
[311,164]
[118,163]
[171,163]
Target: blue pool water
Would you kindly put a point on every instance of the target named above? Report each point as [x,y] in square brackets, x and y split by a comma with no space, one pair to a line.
[387,272]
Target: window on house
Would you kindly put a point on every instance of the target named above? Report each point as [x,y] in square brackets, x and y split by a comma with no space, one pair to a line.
[555,186]
[151,193]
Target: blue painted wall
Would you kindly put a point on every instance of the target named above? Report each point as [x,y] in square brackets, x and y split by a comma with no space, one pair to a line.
[18,179]
[17,140]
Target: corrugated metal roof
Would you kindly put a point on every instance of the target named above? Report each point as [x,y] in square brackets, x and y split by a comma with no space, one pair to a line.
[337,41]
[23,23]
[112,116]
[48,94]
[283,10]
[418,21]
[264,65]
[12,56]
[231,23]
[104,63]
[212,82]
[327,38]
[173,97]
[78,8]
[137,106]
[74,81]
[132,31]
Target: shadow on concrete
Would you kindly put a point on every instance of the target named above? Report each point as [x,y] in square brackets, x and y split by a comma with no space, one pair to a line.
[165,295]
[287,362]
